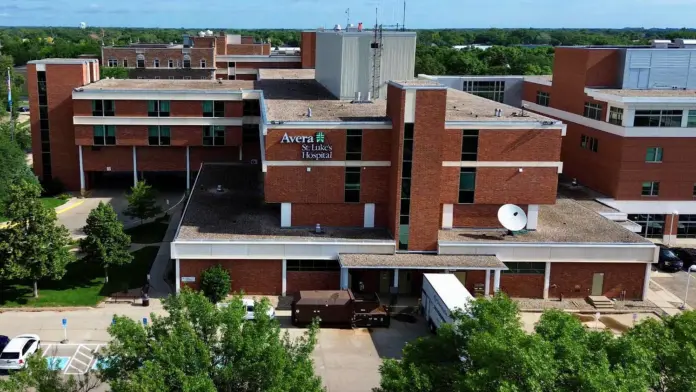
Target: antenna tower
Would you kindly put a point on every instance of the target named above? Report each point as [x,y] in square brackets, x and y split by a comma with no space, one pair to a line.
[376,57]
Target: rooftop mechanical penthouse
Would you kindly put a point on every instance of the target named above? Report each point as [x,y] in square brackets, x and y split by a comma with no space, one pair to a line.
[295,189]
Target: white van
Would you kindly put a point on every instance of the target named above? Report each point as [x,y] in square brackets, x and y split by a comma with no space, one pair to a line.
[441,295]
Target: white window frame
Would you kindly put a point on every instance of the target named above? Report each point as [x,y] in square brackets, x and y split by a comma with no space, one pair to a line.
[113,62]
[170,63]
[655,160]
[203,63]
[156,63]
[653,186]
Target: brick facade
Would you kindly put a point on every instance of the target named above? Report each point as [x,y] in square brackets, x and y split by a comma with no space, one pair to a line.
[288,184]
[312,280]
[395,110]
[514,285]
[251,276]
[308,49]
[481,216]
[574,280]
[342,215]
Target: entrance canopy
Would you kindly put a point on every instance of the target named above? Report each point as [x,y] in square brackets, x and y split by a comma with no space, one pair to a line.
[421,261]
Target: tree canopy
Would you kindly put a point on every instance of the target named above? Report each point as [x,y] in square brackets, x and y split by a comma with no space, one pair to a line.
[105,243]
[142,203]
[488,351]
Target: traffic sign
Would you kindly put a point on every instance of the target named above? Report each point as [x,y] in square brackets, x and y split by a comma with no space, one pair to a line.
[144,320]
[65,322]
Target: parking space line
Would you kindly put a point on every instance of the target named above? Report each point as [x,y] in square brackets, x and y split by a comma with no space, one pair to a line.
[71,361]
[77,360]
[46,350]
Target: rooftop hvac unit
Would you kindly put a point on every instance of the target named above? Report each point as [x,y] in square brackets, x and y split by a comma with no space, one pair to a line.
[337,27]
[660,43]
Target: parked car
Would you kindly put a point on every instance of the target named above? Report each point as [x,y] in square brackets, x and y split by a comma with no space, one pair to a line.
[23,109]
[687,256]
[668,260]
[14,355]
[249,305]
[3,342]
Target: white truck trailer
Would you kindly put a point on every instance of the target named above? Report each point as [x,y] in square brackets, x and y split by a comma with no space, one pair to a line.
[443,294]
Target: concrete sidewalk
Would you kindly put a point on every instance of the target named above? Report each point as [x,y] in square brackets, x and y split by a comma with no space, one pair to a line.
[665,300]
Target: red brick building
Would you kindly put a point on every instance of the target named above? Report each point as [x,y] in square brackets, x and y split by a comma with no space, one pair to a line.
[292,188]
[631,115]
[206,56]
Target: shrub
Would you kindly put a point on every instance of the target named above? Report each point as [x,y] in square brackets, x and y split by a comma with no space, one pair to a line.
[215,283]
[63,196]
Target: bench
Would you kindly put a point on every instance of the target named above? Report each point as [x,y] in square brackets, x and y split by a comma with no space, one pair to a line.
[124,297]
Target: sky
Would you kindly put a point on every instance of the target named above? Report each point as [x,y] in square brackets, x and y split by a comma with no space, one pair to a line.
[246,14]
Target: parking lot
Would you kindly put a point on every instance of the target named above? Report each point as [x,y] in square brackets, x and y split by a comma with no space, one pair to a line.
[347,360]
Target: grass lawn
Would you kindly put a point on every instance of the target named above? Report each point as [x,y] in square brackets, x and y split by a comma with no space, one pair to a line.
[149,233]
[82,285]
[49,202]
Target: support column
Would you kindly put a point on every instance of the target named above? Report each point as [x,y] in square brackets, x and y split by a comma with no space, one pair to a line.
[487,284]
[135,168]
[344,278]
[396,277]
[284,285]
[496,281]
[188,168]
[82,171]
[646,281]
[177,276]
[547,279]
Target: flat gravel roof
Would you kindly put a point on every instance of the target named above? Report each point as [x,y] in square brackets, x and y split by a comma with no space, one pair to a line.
[239,212]
[169,84]
[567,221]
[416,260]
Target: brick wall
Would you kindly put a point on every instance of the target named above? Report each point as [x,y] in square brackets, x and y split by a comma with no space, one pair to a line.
[338,215]
[374,183]
[163,54]
[277,151]
[259,65]
[245,77]
[234,109]
[308,49]
[118,158]
[395,111]
[161,158]
[574,280]
[245,49]
[131,108]
[323,184]
[425,184]
[376,145]
[82,107]
[252,276]
[535,185]
[531,145]
[131,135]
[312,280]
[477,215]
[221,154]
[186,108]
[514,285]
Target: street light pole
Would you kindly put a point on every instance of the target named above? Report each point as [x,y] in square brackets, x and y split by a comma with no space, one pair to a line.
[688,280]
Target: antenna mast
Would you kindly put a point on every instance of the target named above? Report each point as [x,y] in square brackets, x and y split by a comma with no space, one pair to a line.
[347,17]
[376,58]
[403,23]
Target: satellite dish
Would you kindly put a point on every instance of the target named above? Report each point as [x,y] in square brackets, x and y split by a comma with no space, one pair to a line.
[83,25]
[512,217]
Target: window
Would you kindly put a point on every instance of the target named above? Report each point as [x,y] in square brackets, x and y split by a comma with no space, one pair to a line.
[616,115]
[470,145]
[543,98]
[102,108]
[686,228]
[525,268]
[354,145]
[213,108]
[104,135]
[231,77]
[251,108]
[654,154]
[312,265]
[170,63]
[652,226]
[44,126]
[694,191]
[593,111]
[250,133]
[467,184]
[691,119]
[493,90]
[158,108]
[213,135]
[202,63]
[231,64]
[589,143]
[658,118]
[352,185]
[651,188]
[155,63]
[113,63]
[140,61]
[125,63]
[405,207]
[159,136]
[187,61]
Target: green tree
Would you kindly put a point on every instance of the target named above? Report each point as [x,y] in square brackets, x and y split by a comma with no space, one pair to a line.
[142,203]
[22,133]
[13,169]
[39,377]
[200,347]
[113,72]
[105,243]
[37,245]
[215,283]
[17,82]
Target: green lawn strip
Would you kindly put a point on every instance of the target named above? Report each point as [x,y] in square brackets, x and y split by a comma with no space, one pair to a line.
[82,285]
[49,202]
[149,233]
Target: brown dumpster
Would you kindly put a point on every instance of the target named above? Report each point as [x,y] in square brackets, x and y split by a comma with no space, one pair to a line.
[333,308]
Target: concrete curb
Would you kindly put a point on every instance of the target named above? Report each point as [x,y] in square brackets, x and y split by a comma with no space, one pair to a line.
[52,309]
[593,311]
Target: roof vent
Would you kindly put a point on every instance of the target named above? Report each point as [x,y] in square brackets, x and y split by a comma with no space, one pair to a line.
[309,112]
[660,43]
